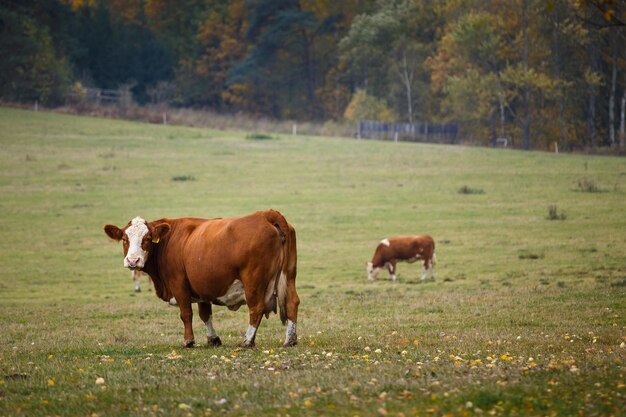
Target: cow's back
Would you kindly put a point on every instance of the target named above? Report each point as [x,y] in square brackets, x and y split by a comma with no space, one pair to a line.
[213,253]
[409,245]
[425,244]
[233,241]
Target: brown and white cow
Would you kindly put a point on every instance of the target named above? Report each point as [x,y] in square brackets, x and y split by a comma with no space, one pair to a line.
[409,249]
[229,262]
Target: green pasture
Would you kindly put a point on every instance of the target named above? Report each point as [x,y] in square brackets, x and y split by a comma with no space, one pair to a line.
[526,315]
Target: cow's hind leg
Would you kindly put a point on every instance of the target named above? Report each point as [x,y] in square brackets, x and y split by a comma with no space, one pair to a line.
[256,314]
[292,303]
[206,314]
[256,309]
[432,269]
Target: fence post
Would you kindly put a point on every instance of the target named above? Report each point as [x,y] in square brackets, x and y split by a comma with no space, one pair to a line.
[294,129]
[164,118]
[36,105]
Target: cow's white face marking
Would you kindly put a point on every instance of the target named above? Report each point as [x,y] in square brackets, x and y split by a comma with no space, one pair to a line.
[371,271]
[136,256]
[385,242]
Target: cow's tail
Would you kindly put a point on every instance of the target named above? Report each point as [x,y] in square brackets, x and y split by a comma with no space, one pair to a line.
[281,295]
[434,260]
[288,272]
[288,262]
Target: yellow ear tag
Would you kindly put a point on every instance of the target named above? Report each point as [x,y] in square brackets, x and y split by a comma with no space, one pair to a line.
[156,240]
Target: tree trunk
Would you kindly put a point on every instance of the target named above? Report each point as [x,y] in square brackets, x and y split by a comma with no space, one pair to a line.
[563,138]
[502,119]
[613,88]
[591,111]
[493,128]
[526,88]
[558,73]
[406,76]
[591,116]
[409,93]
[622,132]
[307,58]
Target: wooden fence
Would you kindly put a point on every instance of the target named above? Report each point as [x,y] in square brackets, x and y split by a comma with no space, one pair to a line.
[409,132]
[103,96]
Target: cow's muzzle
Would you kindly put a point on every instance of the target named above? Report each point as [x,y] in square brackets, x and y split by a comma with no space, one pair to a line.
[133,263]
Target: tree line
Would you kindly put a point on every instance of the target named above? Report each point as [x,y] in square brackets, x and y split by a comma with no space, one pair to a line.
[536,72]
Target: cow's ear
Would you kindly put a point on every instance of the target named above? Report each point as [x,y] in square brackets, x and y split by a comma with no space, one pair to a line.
[160,231]
[113,232]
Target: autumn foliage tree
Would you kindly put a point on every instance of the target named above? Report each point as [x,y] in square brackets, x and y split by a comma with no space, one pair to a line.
[539,73]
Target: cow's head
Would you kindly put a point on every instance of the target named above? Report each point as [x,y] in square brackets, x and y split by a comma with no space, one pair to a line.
[138,238]
[371,271]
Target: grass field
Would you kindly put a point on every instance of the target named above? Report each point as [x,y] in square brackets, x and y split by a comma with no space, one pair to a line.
[526,315]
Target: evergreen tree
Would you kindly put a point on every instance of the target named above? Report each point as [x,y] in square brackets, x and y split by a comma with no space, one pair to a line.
[31,68]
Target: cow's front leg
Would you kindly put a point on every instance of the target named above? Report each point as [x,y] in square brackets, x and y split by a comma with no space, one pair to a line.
[186,315]
[206,314]
[391,266]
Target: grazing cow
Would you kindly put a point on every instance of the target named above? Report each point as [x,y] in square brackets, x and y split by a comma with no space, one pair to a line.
[228,262]
[403,249]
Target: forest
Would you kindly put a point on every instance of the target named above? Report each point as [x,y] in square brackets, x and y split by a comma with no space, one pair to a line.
[543,73]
